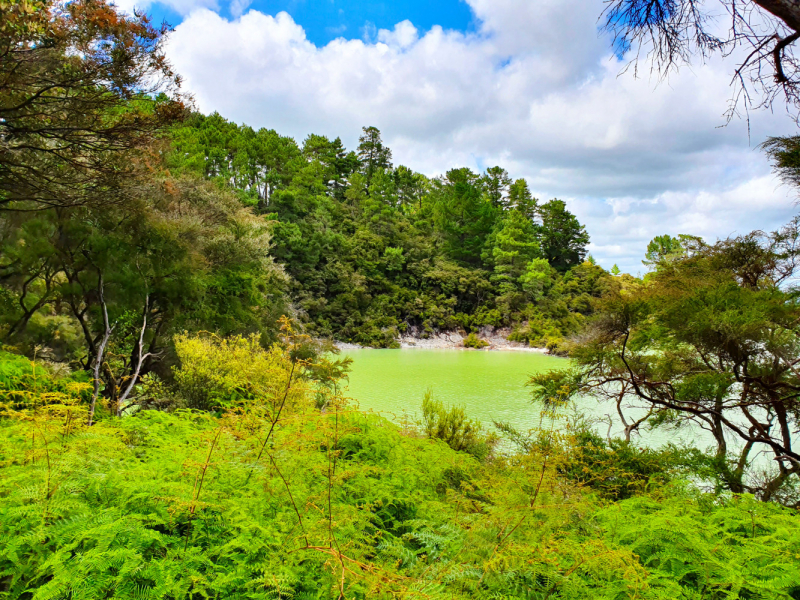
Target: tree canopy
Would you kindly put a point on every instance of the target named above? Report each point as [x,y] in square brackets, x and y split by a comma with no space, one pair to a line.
[709,338]
[376,251]
[76,82]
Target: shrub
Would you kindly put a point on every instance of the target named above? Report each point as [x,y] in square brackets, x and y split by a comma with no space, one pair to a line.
[473,341]
[453,427]
[218,373]
[26,384]
[617,469]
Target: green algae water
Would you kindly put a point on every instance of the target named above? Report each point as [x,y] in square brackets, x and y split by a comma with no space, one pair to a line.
[491,385]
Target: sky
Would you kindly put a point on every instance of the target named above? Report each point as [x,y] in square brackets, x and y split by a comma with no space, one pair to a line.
[534,87]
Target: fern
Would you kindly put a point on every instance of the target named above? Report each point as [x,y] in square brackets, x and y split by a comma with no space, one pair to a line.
[347,503]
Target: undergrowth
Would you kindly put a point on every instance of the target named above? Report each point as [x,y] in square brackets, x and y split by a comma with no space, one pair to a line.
[276,498]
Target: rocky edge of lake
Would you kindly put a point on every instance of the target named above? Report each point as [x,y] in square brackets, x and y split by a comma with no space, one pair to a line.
[454,340]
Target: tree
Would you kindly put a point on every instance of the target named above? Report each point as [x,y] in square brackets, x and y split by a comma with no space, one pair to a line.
[711,339]
[537,278]
[76,86]
[411,187]
[521,200]
[671,31]
[333,155]
[463,215]
[664,249]
[496,182]
[110,284]
[372,153]
[562,237]
[515,246]
[785,155]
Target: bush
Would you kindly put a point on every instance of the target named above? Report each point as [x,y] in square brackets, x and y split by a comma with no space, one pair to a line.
[455,429]
[473,341]
[217,373]
[26,384]
[616,468]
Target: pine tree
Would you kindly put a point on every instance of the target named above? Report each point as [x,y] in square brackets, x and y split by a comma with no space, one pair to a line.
[372,153]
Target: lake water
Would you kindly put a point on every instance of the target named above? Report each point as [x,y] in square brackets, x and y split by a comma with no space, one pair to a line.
[491,386]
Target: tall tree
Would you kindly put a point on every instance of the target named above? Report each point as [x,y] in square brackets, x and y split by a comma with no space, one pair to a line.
[411,187]
[711,339]
[496,182]
[334,155]
[372,153]
[563,238]
[521,200]
[516,244]
[463,215]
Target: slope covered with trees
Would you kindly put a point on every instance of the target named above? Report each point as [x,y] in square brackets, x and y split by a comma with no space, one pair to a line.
[373,250]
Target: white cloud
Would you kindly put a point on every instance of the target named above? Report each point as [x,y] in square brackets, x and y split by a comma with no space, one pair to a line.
[625,225]
[535,89]
[403,35]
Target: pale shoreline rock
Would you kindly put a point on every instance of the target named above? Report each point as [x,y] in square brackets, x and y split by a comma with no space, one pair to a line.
[452,340]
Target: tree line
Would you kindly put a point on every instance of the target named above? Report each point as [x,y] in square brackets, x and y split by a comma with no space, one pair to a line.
[373,250]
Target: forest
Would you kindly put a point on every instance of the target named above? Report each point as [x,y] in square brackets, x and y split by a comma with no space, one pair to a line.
[372,250]
[174,417]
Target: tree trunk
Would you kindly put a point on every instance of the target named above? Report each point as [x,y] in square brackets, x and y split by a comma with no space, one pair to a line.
[99,355]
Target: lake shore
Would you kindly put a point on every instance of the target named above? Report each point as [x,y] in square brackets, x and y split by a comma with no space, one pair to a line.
[453,340]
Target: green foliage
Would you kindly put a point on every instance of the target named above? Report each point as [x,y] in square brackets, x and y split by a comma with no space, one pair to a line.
[342,504]
[462,215]
[617,469]
[564,239]
[705,547]
[222,373]
[27,385]
[707,338]
[537,278]
[453,427]
[473,341]
[373,154]
[374,250]
[664,249]
[18,373]
[785,155]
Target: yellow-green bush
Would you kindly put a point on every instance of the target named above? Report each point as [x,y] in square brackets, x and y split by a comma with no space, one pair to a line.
[27,386]
[222,373]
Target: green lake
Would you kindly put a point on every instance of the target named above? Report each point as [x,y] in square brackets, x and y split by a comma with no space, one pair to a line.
[491,385]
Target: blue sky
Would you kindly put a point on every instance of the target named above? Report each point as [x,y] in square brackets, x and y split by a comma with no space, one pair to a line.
[324,20]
